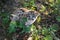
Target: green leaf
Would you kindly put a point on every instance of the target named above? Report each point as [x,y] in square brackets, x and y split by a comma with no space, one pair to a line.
[36,37]
[58,1]
[12,26]
[58,18]
[51,1]
[43,8]
[27,29]
[24,19]
[33,27]
[45,31]
[22,23]
[26,4]
[48,37]
[5,20]
[54,27]
[38,20]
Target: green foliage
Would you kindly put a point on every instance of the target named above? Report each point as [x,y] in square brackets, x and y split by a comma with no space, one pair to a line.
[29,3]
[5,18]
[14,24]
[34,32]
[45,8]
[22,23]
[54,27]
[12,27]
[58,18]
[48,37]
[45,31]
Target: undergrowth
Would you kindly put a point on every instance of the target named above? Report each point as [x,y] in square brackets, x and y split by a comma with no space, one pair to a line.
[46,25]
